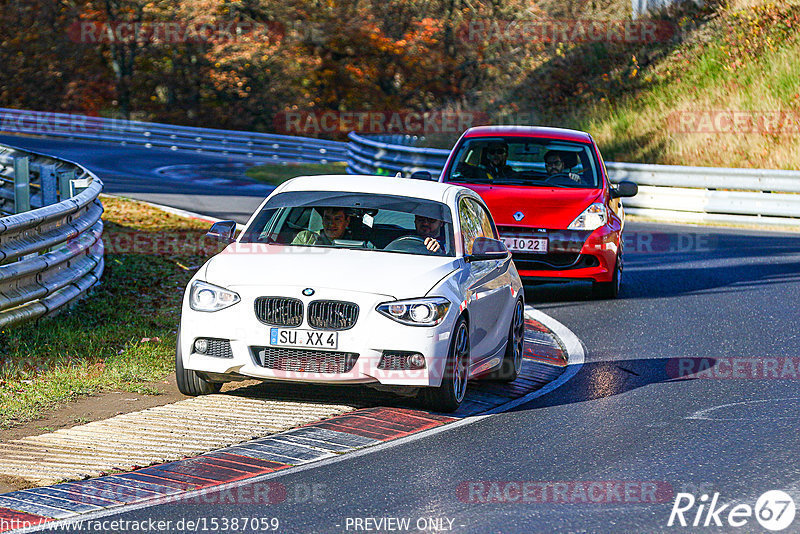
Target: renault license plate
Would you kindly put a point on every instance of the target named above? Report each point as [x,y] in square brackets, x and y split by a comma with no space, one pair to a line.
[534,245]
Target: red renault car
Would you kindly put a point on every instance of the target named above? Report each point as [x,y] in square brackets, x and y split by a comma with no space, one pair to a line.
[551,198]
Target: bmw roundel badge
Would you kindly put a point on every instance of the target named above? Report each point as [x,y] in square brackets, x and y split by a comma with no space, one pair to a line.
[308,292]
[519,216]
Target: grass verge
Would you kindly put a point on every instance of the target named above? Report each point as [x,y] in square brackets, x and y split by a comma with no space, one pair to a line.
[277,174]
[674,101]
[744,64]
[120,337]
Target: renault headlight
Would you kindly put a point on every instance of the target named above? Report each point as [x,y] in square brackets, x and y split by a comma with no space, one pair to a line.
[208,297]
[592,218]
[428,311]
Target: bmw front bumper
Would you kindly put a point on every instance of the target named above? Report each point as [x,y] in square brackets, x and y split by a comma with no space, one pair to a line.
[372,337]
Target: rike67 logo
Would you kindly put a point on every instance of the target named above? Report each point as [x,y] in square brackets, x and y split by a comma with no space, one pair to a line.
[774,510]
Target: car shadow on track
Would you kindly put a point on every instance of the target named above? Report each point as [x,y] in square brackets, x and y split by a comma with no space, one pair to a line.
[482,394]
[601,379]
[348,395]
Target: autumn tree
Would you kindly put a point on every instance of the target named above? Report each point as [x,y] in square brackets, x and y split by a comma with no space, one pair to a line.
[42,66]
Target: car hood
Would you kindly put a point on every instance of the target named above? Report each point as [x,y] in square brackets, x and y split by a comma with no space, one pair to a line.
[392,274]
[543,207]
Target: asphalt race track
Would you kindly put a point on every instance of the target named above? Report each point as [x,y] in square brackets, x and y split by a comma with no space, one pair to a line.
[690,385]
[218,189]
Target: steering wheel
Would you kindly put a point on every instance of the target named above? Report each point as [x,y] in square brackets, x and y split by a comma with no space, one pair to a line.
[564,176]
[408,243]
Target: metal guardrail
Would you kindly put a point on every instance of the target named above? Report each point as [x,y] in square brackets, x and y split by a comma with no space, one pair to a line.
[248,145]
[371,156]
[51,255]
[666,192]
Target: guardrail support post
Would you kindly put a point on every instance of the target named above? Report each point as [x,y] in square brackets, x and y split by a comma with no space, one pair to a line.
[78,185]
[47,179]
[64,184]
[22,184]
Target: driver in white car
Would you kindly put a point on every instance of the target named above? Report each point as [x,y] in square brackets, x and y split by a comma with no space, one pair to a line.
[430,229]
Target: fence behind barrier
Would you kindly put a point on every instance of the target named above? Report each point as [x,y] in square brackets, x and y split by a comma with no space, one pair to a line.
[247,145]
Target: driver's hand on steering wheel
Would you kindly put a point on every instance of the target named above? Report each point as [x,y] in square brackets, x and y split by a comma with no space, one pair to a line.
[432,244]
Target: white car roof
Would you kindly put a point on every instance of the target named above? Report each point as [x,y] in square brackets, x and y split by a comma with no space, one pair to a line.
[383,185]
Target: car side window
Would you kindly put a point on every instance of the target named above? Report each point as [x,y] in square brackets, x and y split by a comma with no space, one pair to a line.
[475,222]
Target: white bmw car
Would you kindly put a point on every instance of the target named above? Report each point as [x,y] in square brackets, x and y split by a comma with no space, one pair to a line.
[394,283]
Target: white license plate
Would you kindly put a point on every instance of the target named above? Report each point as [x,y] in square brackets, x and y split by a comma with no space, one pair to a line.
[292,337]
[535,245]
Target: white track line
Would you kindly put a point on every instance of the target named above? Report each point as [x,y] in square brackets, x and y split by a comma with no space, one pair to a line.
[575,360]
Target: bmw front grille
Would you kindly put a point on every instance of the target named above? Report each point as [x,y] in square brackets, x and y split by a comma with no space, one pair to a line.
[332,314]
[279,311]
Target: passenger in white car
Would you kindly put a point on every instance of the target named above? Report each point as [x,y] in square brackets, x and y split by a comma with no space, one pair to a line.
[335,222]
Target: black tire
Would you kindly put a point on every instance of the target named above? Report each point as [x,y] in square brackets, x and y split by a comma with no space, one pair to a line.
[449,395]
[512,359]
[608,290]
[189,381]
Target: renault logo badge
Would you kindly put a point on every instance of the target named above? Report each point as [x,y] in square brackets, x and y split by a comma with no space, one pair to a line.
[308,292]
[519,216]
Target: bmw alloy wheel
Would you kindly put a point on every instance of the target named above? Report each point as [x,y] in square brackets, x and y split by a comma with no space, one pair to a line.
[519,334]
[461,362]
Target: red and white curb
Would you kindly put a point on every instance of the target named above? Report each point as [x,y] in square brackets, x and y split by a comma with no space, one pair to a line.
[553,355]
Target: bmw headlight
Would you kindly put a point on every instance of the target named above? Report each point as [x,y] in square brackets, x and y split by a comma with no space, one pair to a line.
[208,297]
[428,311]
[592,218]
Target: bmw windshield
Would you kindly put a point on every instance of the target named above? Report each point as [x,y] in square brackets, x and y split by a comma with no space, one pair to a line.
[354,220]
[525,161]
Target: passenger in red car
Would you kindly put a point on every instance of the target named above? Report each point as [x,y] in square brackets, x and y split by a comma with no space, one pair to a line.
[494,160]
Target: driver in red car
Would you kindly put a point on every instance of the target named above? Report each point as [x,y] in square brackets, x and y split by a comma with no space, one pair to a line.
[558,162]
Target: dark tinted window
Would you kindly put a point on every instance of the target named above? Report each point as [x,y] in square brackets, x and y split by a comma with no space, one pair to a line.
[525,161]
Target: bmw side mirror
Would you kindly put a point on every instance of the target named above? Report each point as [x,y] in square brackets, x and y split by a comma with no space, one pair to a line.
[624,189]
[421,175]
[224,231]
[485,248]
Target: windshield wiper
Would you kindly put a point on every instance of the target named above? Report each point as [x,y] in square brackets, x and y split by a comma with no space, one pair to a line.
[533,183]
[464,180]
